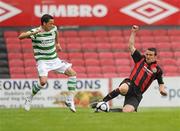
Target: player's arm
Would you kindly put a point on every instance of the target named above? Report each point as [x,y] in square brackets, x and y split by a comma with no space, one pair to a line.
[58,45]
[132,38]
[162,90]
[159,77]
[27,34]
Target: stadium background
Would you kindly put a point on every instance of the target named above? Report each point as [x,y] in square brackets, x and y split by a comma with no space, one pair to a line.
[94,37]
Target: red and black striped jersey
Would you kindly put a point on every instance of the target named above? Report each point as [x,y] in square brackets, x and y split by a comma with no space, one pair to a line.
[143,73]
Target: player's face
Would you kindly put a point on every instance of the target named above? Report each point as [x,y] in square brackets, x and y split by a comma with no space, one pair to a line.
[48,26]
[150,56]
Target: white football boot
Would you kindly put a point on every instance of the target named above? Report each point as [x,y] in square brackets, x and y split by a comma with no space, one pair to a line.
[27,105]
[70,104]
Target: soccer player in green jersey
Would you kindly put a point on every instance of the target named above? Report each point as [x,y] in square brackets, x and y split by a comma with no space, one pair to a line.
[45,43]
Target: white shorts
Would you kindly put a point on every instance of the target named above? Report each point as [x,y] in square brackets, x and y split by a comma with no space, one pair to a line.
[44,66]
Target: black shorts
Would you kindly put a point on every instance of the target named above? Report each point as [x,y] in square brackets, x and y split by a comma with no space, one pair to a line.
[133,96]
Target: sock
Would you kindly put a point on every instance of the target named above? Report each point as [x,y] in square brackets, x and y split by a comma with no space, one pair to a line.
[71,87]
[116,110]
[111,95]
[36,88]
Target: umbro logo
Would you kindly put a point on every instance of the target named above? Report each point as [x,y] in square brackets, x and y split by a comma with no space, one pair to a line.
[7,11]
[149,11]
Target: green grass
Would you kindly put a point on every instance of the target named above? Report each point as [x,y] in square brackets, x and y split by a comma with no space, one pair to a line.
[60,119]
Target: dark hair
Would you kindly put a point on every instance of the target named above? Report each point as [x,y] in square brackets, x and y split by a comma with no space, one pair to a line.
[153,49]
[45,18]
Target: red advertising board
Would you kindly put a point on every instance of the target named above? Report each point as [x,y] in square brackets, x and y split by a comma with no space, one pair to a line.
[90,12]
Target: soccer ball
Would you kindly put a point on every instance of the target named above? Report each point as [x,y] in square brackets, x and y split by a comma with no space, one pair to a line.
[102,106]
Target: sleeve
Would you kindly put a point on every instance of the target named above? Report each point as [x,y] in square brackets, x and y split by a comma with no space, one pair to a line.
[159,76]
[32,36]
[136,56]
[54,28]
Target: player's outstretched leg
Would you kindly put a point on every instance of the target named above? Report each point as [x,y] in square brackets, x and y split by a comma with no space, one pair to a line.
[27,105]
[70,98]
[28,100]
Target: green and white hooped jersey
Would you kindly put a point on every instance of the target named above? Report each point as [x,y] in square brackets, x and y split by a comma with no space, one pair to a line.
[44,44]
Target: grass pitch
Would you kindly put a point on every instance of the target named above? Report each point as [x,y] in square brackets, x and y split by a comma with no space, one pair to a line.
[61,119]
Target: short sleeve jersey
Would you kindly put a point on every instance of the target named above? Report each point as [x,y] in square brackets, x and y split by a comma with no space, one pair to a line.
[143,73]
[44,44]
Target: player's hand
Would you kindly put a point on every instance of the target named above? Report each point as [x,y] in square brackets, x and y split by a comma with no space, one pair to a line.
[58,47]
[163,92]
[36,32]
[135,28]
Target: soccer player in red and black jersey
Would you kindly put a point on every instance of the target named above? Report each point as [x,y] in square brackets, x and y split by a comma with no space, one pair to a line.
[144,72]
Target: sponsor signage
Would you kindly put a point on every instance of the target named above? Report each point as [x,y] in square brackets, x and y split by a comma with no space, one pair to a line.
[99,12]
[14,91]
[149,11]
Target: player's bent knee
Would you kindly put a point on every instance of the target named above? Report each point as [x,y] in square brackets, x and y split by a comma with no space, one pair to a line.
[70,72]
[73,73]
[128,108]
[123,89]
[43,82]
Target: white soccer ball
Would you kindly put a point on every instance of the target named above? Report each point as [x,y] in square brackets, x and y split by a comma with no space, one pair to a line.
[102,106]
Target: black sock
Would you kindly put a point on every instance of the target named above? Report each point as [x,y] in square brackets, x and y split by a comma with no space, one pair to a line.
[111,95]
[115,110]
